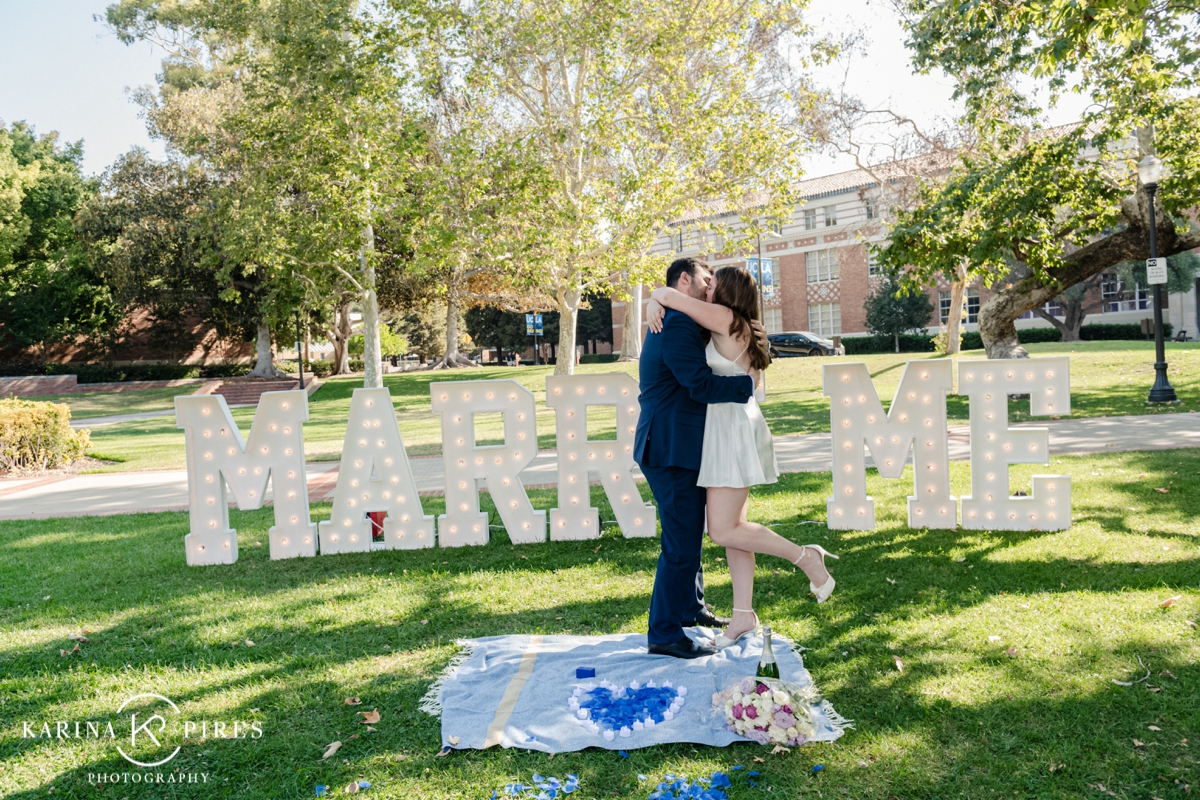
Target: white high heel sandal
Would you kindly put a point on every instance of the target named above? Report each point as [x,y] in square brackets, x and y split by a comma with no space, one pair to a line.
[722,641]
[824,590]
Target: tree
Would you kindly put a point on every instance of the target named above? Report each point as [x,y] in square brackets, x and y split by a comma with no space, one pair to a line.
[424,330]
[494,327]
[595,321]
[1067,203]
[390,343]
[892,310]
[49,293]
[639,112]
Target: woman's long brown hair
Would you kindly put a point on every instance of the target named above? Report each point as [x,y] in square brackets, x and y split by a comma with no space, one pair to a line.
[734,288]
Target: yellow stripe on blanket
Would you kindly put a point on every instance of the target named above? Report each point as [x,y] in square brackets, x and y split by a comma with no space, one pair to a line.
[508,701]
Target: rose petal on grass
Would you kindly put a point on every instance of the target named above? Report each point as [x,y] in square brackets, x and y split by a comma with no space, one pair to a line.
[1011,652]
[452,740]
[1170,601]
[352,788]
[353,701]
[78,637]
[892,582]
[993,638]
[249,643]
[330,749]
[899,664]
[1153,728]
[424,622]
[780,749]
[369,717]
[1162,491]
[1136,743]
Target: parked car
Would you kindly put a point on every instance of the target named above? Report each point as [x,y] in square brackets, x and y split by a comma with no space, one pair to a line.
[799,343]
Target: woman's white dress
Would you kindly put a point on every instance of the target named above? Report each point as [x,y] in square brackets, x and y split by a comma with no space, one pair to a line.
[737,442]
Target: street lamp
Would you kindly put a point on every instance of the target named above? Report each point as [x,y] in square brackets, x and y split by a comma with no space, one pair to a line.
[762,308]
[1150,170]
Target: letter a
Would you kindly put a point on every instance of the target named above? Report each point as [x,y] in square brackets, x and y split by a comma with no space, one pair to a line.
[374,476]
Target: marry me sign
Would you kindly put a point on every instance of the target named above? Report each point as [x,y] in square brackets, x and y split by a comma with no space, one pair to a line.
[375,475]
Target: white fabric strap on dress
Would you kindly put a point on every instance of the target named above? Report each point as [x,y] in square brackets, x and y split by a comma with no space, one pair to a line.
[738,357]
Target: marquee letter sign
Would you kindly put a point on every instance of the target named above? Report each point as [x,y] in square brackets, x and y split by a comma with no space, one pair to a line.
[578,457]
[375,476]
[916,419]
[500,465]
[217,456]
[994,445]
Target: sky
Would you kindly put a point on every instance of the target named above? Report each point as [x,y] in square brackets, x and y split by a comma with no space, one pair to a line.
[64,71]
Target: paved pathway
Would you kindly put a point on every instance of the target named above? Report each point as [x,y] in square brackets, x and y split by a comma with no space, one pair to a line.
[130,492]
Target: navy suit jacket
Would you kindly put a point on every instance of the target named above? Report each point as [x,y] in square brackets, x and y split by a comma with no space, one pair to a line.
[677,386]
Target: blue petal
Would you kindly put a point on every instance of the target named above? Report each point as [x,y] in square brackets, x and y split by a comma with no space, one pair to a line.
[752,783]
[752,773]
[818,768]
[364,784]
[321,790]
[642,777]
[622,754]
[739,766]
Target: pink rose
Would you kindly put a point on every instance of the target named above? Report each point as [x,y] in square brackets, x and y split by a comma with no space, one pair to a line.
[784,720]
[757,736]
[738,710]
[763,688]
[750,711]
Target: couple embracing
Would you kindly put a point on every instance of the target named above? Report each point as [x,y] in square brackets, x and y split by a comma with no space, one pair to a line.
[701,442]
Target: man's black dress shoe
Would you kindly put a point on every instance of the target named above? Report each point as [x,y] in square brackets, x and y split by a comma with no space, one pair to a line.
[708,619]
[684,648]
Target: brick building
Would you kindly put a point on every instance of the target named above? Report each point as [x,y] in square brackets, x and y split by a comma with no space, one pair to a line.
[818,272]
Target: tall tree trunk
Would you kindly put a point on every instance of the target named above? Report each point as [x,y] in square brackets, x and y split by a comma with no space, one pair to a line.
[568,318]
[372,354]
[339,337]
[896,339]
[958,293]
[453,357]
[264,366]
[631,329]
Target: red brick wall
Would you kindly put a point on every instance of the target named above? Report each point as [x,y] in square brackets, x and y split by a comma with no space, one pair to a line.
[852,269]
[793,277]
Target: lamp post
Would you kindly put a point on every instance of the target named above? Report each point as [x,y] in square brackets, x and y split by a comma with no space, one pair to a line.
[299,350]
[762,308]
[1150,171]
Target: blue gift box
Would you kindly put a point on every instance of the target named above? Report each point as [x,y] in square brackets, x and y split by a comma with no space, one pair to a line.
[585,672]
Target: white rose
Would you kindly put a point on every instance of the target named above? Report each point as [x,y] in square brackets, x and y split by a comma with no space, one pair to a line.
[792,733]
[781,697]
[737,695]
[778,734]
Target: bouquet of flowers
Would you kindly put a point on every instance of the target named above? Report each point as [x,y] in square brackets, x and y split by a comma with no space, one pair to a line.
[767,710]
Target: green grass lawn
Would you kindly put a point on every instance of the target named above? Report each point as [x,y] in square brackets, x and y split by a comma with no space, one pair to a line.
[1034,714]
[102,404]
[1107,379]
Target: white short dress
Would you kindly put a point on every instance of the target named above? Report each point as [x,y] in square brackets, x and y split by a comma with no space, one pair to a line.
[738,451]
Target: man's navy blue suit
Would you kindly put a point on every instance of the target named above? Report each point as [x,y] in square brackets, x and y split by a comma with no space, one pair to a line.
[677,386]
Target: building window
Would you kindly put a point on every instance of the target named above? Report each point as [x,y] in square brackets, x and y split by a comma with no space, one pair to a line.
[830,216]
[869,207]
[678,241]
[774,320]
[971,302]
[825,319]
[810,219]
[1117,297]
[1052,308]
[873,267]
[822,265]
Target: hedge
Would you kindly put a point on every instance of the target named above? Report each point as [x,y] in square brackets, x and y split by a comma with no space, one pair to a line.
[598,358]
[38,435]
[864,345]
[107,373]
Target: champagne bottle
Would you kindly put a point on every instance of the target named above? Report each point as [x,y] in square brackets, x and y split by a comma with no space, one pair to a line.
[767,668]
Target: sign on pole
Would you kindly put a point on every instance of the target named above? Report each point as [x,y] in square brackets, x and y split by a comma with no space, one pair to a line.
[768,274]
[529,324]
[1156,270]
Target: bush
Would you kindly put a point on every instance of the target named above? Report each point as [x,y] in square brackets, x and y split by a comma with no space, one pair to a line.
[597,358]
[38,435]
[322,369]
[19,369]
[357,365]
[1088,333]
[865,345]
[228,370]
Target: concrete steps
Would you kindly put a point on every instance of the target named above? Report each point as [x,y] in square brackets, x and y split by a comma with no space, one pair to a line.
[249,392]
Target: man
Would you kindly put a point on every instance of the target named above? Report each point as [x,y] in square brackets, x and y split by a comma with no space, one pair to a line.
[676,386]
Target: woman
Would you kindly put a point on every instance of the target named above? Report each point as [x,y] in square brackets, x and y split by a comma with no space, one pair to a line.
[738,452]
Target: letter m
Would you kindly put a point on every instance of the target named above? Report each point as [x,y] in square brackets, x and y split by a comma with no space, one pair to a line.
[217,457]
[916,419]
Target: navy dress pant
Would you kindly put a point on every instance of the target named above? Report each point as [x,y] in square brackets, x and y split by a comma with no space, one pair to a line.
[679,583]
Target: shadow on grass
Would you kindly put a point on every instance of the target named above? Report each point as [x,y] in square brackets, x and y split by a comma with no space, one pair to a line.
[961,719]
